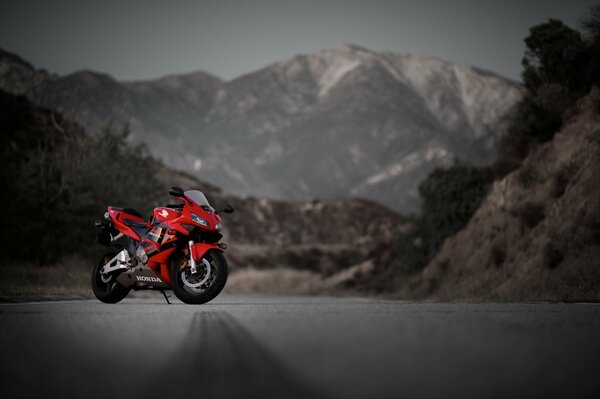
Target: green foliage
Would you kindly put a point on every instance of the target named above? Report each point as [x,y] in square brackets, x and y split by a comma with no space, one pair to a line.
[591,28]
[411,250]
[556,54]
[540,115]
[449,199]
[58,180]
[559,67]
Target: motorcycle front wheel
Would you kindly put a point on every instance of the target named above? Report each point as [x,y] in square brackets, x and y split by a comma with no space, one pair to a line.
[106,287]
[202,286]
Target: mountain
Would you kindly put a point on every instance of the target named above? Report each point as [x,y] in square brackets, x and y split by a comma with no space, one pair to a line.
[344,121]
[78,180]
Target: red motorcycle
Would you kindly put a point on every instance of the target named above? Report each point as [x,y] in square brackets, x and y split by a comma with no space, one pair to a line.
[178,248]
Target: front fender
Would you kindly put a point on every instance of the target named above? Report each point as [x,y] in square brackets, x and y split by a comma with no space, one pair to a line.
[199,249]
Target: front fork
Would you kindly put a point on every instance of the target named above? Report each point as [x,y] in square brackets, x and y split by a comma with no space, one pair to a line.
[192,260]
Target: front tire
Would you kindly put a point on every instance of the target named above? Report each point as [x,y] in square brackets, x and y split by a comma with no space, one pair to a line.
[106,288]
[182,278]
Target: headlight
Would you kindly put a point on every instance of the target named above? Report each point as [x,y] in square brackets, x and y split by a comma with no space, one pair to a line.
[199,220]
[218,226]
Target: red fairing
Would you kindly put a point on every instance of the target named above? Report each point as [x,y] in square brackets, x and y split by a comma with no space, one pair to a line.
[178,220]
[166,214]
[199,249]
[176,248]
[119,217]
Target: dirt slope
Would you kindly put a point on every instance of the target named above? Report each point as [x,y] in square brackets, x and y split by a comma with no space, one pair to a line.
[537,234]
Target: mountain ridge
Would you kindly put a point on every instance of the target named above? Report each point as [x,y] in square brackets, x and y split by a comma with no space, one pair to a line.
[343,121]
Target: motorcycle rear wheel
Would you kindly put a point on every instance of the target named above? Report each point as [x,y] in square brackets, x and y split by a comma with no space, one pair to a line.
[106,288]
[180,269]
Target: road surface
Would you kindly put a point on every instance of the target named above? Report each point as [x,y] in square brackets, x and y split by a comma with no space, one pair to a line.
[299,347]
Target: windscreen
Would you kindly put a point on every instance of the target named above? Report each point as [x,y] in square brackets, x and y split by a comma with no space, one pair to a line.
[197,197]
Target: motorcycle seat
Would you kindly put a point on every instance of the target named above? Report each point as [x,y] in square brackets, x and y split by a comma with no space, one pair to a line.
[134,223]
[139,227]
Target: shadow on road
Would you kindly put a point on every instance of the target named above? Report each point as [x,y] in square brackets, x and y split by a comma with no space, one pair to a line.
[219,358]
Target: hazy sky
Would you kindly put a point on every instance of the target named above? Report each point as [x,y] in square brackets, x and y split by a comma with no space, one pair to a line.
[148,39]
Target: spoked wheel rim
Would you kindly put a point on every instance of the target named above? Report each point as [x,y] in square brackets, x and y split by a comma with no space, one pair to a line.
[207,290]
[105,282]
[206,274]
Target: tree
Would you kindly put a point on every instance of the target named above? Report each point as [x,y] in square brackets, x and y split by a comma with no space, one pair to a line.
[556,70]
[57,180]
[591,28]
[556,54]
[449,199]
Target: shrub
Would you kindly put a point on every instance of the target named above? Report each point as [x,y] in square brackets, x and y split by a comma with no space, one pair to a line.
[57,180]
[559,67]
[449,199]
[555,53]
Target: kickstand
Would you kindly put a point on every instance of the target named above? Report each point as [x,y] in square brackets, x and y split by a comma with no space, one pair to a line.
[166,297]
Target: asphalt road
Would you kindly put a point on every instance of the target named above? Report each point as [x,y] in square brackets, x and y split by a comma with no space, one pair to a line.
[296,347]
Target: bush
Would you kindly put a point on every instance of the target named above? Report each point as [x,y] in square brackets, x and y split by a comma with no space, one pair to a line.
[559,67]
[555,53]
[57,180]
[449,199]
[411,255]
[591,29]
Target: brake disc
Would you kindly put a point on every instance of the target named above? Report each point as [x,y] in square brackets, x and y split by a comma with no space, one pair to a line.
[192,281]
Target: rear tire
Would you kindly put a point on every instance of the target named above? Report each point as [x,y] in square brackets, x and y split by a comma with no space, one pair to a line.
[110,291]
[207,291]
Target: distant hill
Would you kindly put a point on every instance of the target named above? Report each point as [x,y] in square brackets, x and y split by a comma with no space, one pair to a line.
[340,122]
[57,180]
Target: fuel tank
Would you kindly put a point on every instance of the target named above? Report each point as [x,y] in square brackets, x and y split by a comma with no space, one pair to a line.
[162,214]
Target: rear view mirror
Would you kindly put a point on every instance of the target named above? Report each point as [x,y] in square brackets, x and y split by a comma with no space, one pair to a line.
[228,209]
[176,192]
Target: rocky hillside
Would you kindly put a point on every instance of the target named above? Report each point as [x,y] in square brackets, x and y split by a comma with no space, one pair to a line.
[340,122]
[537,234]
